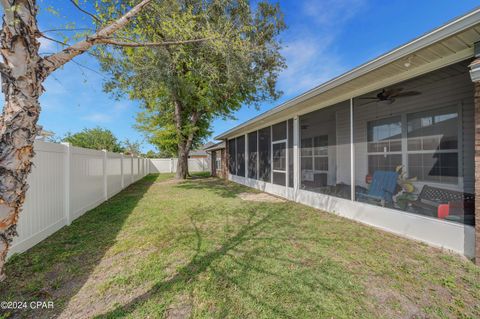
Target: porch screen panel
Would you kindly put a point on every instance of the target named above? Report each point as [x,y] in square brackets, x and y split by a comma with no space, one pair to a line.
[279,155]
[241,155]
[279,131]
[252,155]
[232,162]
[413,153]
[325,151]
[264,145]
[290,153]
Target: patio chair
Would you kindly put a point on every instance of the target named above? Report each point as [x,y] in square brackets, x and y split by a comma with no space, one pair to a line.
[384,184]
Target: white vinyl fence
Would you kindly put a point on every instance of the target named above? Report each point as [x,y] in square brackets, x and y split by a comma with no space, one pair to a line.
[66,182]
[169,165]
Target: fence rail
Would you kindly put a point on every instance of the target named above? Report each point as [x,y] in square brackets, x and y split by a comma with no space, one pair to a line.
[169,165]
[67,181]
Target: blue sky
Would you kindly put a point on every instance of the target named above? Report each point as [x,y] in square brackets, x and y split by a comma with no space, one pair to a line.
[324,38]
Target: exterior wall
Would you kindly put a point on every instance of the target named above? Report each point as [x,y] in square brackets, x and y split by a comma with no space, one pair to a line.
[66,182]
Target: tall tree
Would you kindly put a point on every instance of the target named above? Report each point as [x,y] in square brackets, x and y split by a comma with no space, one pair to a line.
[131,147]
[95,138]
[182,89]
[23,71]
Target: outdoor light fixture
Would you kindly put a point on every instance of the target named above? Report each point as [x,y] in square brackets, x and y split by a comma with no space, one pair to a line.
[408,63]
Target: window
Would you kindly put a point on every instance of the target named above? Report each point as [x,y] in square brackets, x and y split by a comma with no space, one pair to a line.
[232,165]
[279,157]
[384,144]
[252,155]
[241,155]
[432,139]
[218,161]
[264,144]
[315,153]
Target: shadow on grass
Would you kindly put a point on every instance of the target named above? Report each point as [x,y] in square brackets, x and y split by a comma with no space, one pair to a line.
[58,267]
[199,263]
[230,266]
[216,185]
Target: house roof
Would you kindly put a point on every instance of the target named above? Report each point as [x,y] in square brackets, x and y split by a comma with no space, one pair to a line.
[198,153]
[215,147]
[446,45]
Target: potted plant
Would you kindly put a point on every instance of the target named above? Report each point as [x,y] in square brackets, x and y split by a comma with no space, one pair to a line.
[407,188]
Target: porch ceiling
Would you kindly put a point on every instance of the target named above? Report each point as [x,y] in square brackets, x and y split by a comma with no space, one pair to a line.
[441,47]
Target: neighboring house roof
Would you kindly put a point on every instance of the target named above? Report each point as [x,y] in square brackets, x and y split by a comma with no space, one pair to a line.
[446,45]
[215,147]
[202,150]
[198,153]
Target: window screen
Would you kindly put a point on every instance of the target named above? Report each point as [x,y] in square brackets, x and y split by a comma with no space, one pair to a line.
[241,155]
[252,155]
[232,157]
[264,144]
[290,153]
[279,131]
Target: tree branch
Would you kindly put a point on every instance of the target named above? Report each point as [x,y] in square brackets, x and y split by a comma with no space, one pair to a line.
[150,44]
[86,12]
[52,39]
[54,61]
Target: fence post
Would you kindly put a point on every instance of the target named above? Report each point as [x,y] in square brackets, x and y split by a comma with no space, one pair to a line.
[66,173]
[121,170]
[131,171]
[105,175]
[171,165]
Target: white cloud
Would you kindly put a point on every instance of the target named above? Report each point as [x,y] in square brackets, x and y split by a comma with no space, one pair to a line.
[47,46]
[332,12]
[98,118]
[120,107]
[310,53]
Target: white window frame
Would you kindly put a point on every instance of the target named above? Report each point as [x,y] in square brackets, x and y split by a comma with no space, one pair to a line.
[404,145]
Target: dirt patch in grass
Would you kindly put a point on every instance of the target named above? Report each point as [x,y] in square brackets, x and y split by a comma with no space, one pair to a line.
[261,197]
[180,309]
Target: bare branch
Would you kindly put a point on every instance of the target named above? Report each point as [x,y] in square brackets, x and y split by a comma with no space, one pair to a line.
[54,61]
[52,39]
[68,30]
[151,44]
[85,11]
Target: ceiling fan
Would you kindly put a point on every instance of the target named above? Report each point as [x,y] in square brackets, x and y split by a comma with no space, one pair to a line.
[388,96]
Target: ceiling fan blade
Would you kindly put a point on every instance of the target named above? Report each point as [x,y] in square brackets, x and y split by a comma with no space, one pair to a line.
[368,98]
[392,92]
[409,93]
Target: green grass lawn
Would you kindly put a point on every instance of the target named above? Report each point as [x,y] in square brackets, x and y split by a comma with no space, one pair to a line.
[195,249]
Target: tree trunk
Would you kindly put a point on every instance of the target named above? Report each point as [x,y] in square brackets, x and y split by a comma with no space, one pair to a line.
[23,72]
[22,87]
[182,163]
